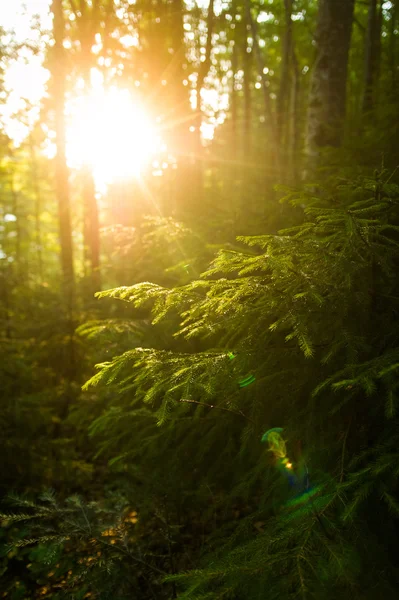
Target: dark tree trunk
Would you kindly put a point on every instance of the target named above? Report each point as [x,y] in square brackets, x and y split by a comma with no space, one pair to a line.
[327,99]
[181,141]
[58,72]
[392,47]
[88,21]
[62,174]
[273,154]
[285,80]
[293,135]
[372,54]
[247,64]
[234,96]
[232,168]
[38,207]
[91,229]
[202,73]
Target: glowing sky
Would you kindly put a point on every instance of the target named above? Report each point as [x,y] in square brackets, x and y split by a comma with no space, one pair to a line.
[25,77]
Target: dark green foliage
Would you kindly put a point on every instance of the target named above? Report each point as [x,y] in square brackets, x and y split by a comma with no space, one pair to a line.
[308,313]
[293,330]
[81,550]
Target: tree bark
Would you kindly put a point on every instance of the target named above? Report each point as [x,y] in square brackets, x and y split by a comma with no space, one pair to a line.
[232,168]
[285,80]
[38,207]
[58,73]
[269,113]
[202,73]
[180,140]
[88,21]
[234,96]
[92,230]
[392,47]
[327,99]
[179,98]
[371,54]
[18,231]
[293,135]
[204,69]
[61,169]
[247,63]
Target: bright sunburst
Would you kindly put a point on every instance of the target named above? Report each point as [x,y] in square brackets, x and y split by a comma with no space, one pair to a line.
[111,133]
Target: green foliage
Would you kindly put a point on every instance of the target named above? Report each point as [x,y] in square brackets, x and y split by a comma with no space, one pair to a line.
[293,329]
[80,550]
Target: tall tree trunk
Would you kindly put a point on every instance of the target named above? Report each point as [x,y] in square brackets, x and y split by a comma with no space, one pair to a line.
[233,95]
[202,73]
[393,47]
[5,300]
[273,144]
[380,21]
[285,79]
[88,21]
[371,54]
[232,169]
[247,64]
[204,69]
[246,149]
[293,136]
[181,140]
[61,169]
[327,99]
[62,186]
[91,230]
[18,230]
[38,208]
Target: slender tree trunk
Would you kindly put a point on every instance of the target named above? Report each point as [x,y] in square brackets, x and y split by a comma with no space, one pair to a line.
[202,73]
[327,99]
[61,169]
[5,292]
[180,102]
[247,64]
[392,47]
[203,70]
[378,58]
[246,149]
[293,136]
[18,232]
[91,229]
[62,193]
[371,54]
[88,22]
[232,169]
[181,140]
[273,144]
[38,208]
[285,80]
[233,95]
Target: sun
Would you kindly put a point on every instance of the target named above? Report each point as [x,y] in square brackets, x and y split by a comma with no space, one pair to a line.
[110,132]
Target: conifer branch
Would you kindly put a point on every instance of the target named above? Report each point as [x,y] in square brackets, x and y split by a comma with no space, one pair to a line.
[239,413]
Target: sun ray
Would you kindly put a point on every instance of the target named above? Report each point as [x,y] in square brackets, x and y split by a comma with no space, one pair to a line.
[110,132]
